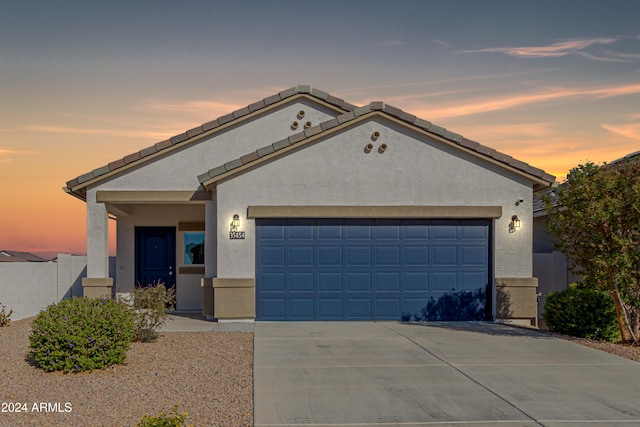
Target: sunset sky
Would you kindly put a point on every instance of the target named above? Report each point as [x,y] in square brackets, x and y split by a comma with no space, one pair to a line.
[82,83]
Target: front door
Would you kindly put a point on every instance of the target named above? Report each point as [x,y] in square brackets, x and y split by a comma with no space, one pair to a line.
[155,256]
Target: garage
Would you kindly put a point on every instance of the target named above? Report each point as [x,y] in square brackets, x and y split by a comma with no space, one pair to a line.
[372,269]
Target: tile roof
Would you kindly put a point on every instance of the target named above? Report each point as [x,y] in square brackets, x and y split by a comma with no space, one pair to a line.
[71,186]
[373,108]
[77,185]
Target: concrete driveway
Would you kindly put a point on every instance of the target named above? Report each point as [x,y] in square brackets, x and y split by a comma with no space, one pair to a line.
[480,374]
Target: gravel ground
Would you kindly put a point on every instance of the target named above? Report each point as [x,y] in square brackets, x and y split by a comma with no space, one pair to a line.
[209,375]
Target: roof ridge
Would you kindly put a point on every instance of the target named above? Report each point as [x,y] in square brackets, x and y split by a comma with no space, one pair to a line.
[397,113]
[205,127]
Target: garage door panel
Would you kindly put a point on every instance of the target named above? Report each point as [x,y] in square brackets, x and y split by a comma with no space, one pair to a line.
[358,282]
[445,256]
[356,269]
[359,308]
[301,256]
[273,282]
[387,282]
[330,282]
[273,256]
[387,308]
[301,282]
[416,256]
[473,256]
[301,308]
[358,256]
[330,308]
[329,256]
[445,280]
[271,309]
[388,256]
[301,229]
[416,281]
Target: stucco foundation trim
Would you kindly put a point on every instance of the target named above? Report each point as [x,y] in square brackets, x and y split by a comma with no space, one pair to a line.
[234,298]
[97,287]
[374,212]
[517,299]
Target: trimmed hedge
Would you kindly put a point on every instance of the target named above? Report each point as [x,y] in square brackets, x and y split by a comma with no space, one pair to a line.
[585,313]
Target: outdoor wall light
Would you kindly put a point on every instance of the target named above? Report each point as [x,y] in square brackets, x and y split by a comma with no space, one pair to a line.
[515,224]
[235,224]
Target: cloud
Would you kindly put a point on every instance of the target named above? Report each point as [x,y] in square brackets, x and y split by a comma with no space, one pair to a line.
[156,135]
[441,43]
[553,50]
[631,131]
[495,104]
[392,42]
[210,109]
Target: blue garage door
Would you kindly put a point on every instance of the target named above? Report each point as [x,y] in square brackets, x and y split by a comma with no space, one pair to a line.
[355,269]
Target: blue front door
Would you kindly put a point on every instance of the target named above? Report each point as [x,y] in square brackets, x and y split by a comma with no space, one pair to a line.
[366,269]
[155,256]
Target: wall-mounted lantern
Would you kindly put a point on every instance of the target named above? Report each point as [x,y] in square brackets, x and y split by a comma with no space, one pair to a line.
[235,223]
[515,224]
[233,228]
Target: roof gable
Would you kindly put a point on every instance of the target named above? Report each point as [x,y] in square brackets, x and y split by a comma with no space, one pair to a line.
[253,159]
[77,186]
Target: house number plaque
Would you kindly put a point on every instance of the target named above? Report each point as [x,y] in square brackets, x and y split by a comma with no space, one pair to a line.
[236,235]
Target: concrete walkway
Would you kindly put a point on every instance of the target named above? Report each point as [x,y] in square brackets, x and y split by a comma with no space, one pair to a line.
[194,322]
[476,374]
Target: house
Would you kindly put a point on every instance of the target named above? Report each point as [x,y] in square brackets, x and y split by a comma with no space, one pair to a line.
[16,256]
[302,206]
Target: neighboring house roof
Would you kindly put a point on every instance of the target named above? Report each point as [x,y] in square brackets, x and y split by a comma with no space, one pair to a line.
[77,186]
[538,202]
[15,256]
[374,108]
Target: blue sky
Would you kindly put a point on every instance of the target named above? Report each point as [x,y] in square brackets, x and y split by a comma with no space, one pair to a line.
[552,83]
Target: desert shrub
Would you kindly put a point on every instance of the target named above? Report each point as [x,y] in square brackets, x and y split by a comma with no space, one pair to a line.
[81,334]
[173,419]
[582,312]
[150,306]
[5,317]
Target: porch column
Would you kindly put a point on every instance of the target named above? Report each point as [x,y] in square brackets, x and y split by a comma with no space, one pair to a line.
[97,284]
[210,258]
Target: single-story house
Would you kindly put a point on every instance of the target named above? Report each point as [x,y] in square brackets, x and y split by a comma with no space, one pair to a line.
[302,206]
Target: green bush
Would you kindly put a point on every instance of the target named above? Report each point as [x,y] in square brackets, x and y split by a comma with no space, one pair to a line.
[150,306]
[5,318]
[174,419]
[581,312]
[81,334]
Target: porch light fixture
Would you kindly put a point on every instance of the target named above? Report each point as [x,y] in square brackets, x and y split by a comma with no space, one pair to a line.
[235,223]
[515,224]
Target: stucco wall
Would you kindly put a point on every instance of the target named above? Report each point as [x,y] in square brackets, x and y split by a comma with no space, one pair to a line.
[414,170]
[28,287]
[180,169]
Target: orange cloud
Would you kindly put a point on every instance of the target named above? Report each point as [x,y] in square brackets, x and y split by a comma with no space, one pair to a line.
[553,50]
[631,131]
[493,104]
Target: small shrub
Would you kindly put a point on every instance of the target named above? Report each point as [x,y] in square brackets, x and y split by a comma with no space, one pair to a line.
[582,312]
[81,334]
[5,317]
[150,306]
[173,419]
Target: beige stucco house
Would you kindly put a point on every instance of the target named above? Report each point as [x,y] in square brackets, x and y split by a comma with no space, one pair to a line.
[302,206]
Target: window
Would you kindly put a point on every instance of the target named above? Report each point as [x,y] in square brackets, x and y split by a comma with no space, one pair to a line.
[193,248]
